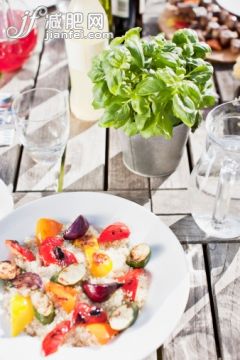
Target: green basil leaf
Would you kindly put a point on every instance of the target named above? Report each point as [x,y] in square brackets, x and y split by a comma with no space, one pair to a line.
[117,115]
[140,120]
[96,73]
[117,41]
[140,104]
[130,128]
[125,90]
[120,58]
[151,129]
[107,120]
[168,76]
[183,108]
[188,50]
[208,100]
[192,91]
[166,59]
[201,73]
[149,86]
[185,36]
[114,79]
[201,50]
[134,45]
[102,96]
[133,33]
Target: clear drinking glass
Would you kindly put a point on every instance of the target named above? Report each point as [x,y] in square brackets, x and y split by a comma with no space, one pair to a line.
[215,181]
[42,123]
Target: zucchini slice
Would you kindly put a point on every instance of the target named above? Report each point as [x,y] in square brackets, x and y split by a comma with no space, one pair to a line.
[70,275]
[139,256]
[43,307]
[124,316]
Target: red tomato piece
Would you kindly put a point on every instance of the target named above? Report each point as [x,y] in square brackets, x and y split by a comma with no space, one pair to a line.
[116,231]
[19,250]
[51,252]
[69,258]
[130,282]
[57,241]
[55,338]
[86,314]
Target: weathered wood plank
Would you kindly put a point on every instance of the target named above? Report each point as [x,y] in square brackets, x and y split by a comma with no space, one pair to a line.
[227,84]
[141,197]
[170,202]
[193,339]
[178,180]
[53,73]
[170,220]
[14,83]
[22,198]
[85,157]
[119,177]
[224,260]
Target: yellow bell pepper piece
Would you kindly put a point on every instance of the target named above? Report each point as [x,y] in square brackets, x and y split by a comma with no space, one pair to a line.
[22,313]
[101,264]
[90,247]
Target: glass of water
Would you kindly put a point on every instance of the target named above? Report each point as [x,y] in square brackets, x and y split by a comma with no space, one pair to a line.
[42,123]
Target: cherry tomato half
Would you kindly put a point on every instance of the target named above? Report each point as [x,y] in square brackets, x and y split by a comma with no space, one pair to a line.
[52,252]
[117,231]
[130,282]
[85,314]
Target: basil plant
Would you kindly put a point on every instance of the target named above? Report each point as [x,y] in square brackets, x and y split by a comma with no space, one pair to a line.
[149,86]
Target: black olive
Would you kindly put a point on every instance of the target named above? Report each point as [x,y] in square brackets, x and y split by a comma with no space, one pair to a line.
[96,312]
[80,319]
[59,253]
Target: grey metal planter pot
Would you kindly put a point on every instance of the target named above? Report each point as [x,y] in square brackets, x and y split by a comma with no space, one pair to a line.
[156,156]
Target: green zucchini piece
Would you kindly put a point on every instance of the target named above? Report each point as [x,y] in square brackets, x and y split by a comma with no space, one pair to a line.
[43,307]
[139,256]
[44,320]
[124,316]
[70,275]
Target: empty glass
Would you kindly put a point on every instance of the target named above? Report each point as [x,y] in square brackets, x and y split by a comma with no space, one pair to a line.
[42,123]
[215,181]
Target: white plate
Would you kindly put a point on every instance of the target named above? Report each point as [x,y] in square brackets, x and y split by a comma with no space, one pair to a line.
[230,5]
[170,279]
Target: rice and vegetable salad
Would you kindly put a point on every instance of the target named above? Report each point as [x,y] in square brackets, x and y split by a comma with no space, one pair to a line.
[73,285]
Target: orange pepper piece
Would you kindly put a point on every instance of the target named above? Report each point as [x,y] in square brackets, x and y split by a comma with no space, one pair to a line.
[64,296]
[102,331]
[47,228]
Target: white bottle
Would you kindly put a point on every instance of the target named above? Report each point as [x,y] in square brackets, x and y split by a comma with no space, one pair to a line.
[80,54]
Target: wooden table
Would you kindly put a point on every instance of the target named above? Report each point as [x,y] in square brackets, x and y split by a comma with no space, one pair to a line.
[210,326]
